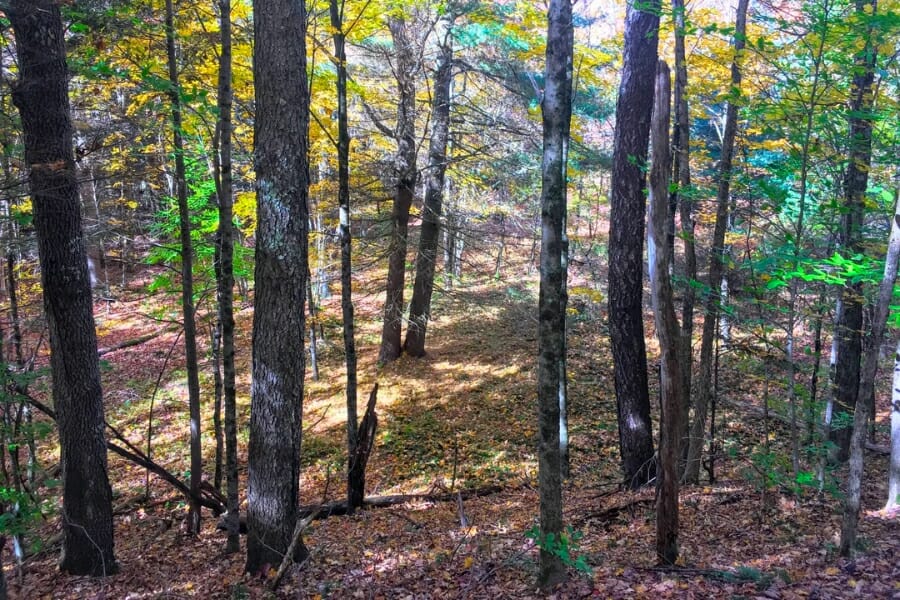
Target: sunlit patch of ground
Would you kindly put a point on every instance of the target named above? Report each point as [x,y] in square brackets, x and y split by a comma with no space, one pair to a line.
[463,417]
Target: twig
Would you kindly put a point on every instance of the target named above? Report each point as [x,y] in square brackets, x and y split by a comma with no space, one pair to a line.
[301,525]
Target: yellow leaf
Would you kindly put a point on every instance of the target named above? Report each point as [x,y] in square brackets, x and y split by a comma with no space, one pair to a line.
[468,562]
[831,571]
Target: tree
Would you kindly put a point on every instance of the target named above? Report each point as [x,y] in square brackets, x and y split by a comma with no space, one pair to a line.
[716,255]
[626,242]
[856,182]
[41,95]
[556,111]
[356,475]
[187,272]
[893,499]
[405,181]
[420,306]
[850,520]
[282,181]
[225,282]
[856,178]
[667,331]
[680,199]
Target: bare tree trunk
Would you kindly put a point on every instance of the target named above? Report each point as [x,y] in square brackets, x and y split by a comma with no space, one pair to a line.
[405,173]
[216,358]
[856,181]
[716,267]
[420,306]
[893,499]
[850,521]
[667,330]
[848,330]
[281,271]
[356,480]
[187,273]
[556,110]
[41,96]
[313,322]
[626,241]
[681,197]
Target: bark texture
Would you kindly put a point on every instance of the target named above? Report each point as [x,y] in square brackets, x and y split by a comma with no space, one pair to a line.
[282,180]
[626,243]
[41,95]
[187,273]
[848,330]
[405,69]
[667,330]
[681,197]
[704,385]
[893,499]
[556,110]
[420,306]
[855,183]
[356,474]
[225,283]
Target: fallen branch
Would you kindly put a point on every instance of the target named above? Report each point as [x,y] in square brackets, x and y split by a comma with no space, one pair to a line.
[335,509]
[340,508]
[132,342]
[132,453]
[288,559]
[608,514]
[302,524]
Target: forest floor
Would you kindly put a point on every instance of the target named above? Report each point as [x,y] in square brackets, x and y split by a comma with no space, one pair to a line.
[465,418]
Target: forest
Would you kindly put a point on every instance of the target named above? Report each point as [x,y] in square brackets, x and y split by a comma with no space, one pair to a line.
[449,299]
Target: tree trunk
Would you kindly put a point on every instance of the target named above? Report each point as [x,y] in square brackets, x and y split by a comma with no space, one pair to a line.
[356,485]
[893,499]
[716,268]
[682,198]
[855,183]
[41,95]
[216,359]
[848,331]
[279,321]
[405,173]
[667,330]
[225,282]
[848,338]
[187,273]
[850,521]
[556,110]
[626,242]
[420,307]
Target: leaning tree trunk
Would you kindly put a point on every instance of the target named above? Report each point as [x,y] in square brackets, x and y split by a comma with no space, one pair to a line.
[41,95]
[855,183]
[556,110]
[667,330]
[225,282]
[187,273]
[626,241]
[850,521]
[420,306]
[716,267]
[405,173]
[282,181]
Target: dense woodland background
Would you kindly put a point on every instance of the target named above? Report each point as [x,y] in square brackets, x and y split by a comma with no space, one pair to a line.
[380,213]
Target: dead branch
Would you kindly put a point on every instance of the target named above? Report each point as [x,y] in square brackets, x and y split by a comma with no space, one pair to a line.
[132,453]
[132,342]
